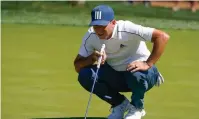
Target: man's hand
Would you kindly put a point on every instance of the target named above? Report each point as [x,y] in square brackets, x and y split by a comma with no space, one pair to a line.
[96,54]
[137,65]
[81,61]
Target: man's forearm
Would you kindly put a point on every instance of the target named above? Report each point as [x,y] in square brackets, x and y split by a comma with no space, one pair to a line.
[159,43]
[82,62]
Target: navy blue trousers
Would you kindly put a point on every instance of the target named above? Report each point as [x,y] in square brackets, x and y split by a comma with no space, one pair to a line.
[111,82]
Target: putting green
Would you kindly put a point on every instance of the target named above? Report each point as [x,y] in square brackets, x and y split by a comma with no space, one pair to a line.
[39,81]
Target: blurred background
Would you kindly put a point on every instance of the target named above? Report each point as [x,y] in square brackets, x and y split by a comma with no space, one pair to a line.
[70,12]
[40,39]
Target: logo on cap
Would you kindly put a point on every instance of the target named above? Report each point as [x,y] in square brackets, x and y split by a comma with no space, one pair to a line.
[98,15]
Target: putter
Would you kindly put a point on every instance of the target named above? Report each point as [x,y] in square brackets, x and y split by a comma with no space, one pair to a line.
[98,66]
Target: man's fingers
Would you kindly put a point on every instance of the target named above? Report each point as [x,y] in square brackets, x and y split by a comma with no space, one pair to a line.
[132,64]
[103,53]
[130,68]
[135,69]
[98,53]
[95,58]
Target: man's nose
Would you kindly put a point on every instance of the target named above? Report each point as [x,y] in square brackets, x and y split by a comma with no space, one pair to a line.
[100,30]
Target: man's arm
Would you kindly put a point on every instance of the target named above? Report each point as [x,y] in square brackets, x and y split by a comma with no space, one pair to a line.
[81,62]
[84,56]
[157,37]
[159,40]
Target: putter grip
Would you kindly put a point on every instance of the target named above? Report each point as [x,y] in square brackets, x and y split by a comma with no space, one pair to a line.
[100,58]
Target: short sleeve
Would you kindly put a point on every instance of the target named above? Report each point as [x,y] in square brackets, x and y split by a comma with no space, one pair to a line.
[86,48]
[144,32]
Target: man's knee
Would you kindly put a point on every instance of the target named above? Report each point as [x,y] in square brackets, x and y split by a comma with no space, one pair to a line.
[146,79]
[138,80]
[85,78]
[139,75]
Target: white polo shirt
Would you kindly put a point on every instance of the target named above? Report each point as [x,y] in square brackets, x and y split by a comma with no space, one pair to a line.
[127,44]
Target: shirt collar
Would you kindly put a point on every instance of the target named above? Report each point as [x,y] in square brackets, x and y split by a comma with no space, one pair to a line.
[115,32]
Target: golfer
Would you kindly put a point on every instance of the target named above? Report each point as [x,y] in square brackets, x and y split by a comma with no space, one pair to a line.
[127,64]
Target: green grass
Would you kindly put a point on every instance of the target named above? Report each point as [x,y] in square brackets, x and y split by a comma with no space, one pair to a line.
[39,81]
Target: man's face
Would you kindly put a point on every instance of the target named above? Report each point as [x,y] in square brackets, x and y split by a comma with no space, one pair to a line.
[104,32]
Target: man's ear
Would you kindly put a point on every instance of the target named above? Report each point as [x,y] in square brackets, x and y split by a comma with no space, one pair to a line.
[113,21]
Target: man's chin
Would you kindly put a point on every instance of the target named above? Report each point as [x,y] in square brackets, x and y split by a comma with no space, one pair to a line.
[103,38]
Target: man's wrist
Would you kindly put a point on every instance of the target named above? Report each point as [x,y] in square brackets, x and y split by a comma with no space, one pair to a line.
[149,64]
[91,60]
